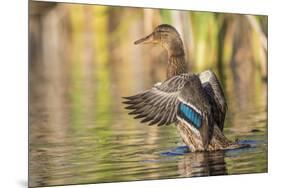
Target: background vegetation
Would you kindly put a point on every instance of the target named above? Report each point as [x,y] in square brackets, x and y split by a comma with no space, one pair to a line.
[95,43]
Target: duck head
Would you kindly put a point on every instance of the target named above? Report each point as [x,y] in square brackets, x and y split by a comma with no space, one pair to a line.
[166,36]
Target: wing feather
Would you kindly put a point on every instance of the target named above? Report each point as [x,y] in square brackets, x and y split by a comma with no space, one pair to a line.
[157,105]
[216,96]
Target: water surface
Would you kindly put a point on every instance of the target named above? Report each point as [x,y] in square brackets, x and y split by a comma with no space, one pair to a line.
[74,141]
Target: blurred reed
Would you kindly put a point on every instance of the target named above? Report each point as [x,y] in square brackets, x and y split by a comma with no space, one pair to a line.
[92,46]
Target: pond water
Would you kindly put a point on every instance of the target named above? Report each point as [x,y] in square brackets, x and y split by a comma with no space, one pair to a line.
[75,140]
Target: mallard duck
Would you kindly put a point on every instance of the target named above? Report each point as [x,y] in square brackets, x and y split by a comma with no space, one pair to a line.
[195,103]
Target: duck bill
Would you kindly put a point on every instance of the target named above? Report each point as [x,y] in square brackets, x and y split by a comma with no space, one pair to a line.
[145,40]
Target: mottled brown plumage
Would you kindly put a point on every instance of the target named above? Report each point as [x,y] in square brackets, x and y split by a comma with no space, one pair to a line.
[194,102]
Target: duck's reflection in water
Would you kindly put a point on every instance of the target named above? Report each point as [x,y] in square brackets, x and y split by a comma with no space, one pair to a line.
[202,164]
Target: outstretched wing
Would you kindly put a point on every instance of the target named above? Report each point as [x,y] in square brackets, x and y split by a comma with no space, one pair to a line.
[180,97]
[157,105]
[216,97]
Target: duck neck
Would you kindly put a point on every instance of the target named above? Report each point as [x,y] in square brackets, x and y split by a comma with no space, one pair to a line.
[176,65]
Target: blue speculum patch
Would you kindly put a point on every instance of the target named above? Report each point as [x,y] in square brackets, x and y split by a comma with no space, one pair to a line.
[190,115]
